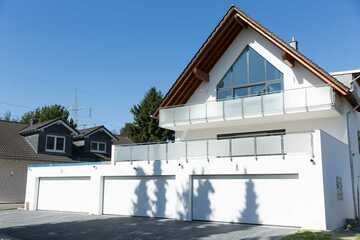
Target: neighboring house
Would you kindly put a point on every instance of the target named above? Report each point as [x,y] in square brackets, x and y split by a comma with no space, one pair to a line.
[51,141]
[263,136]
[94,143]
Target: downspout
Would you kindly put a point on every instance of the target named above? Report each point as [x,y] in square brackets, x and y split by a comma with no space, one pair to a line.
[351,162]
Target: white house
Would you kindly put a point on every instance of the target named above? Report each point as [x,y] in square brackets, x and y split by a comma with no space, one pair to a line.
[263,136]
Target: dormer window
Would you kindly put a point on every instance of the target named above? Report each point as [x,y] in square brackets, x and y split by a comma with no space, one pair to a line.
[98,147]
[250,75]
[55,143]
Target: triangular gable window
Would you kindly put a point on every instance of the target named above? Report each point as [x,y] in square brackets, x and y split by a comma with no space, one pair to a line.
[251,74]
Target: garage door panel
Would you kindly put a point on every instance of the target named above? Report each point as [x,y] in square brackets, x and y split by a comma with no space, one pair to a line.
[257,199]
[64,194]
[152,196]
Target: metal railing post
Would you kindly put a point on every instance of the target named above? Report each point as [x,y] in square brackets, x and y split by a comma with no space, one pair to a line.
[230,149]
[223,110]
[207,150]
[312,145]
[131,155]
[173,116]
[242,108]
[189,114]
[186,152]
[206,112]
[255,149]
[283,102]
[262,105]
[148,153]
[282,146]
[166,152]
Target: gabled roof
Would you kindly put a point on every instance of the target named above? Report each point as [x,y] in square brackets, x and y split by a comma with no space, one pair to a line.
[38,126]
[219,40]
[88,131]
[123,140]
[14,146]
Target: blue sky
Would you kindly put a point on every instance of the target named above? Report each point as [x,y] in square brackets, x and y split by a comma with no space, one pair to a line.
[113,51]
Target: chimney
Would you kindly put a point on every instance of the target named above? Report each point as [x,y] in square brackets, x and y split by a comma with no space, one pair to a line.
[293,43]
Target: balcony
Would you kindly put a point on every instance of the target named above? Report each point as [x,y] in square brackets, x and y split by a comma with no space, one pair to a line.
[282,145]
[300,100]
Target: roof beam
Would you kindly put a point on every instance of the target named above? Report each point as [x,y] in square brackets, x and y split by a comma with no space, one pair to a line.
[289,60]
[188,91]
[240,21]
[222,46]
[201,75]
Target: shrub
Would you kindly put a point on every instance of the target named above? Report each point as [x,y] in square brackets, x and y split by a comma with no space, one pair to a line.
[307,235]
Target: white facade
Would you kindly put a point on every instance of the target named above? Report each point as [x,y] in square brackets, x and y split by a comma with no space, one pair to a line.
[302,178]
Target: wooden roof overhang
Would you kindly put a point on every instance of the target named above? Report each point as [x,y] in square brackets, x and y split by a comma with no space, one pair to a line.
[197,71]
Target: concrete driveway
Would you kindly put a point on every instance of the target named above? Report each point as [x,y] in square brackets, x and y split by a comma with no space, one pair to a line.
[18,224]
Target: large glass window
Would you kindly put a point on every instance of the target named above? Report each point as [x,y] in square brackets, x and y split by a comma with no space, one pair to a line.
[251,74]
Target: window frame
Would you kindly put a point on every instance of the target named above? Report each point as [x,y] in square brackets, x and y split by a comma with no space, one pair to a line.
[55,143]
[97,146]
[249,84]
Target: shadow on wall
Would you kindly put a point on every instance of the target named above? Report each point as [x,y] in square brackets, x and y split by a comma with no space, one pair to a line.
[184,200]
[144,205]
[160,191]
[201,198]
[249,213]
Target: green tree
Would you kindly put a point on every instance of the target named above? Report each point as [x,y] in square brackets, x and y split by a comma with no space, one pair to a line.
[144,128]
[45,113]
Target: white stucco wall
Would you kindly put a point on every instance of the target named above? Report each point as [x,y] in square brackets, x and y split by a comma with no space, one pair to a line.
[312,181]
[336,164]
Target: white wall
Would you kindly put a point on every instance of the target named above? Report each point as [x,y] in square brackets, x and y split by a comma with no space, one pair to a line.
[336,164]
[310,188]
[335,126]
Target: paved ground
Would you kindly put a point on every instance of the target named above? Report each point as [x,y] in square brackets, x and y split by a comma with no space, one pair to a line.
[19,224]
[9,206]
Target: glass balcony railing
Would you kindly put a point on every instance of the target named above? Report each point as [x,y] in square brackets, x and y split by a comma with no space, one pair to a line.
[294,143]
[288,101]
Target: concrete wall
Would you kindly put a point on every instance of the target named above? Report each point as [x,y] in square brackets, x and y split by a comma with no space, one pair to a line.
[13,175]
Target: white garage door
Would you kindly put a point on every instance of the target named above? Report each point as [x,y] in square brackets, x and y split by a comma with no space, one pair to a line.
[153,196]
[64,194]
[256,199]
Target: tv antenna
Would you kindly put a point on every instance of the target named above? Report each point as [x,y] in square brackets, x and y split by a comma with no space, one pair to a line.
[75,109]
